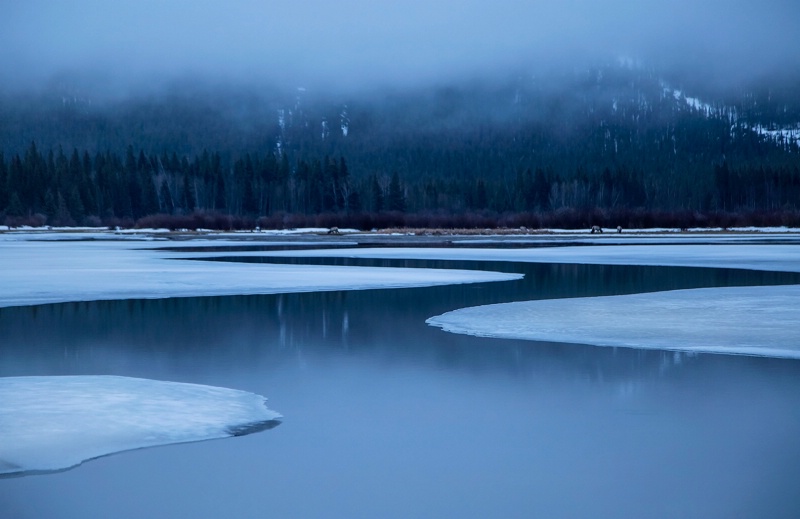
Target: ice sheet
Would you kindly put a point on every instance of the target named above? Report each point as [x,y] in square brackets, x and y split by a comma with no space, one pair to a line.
[38,272]
[761,321]
[729,252]
[54,423]
[756,321]
[642,238]
[44,272]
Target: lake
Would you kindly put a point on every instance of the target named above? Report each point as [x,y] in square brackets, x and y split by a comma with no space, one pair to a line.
[388,417]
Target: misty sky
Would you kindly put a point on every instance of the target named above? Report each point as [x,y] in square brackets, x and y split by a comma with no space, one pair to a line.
[371,42]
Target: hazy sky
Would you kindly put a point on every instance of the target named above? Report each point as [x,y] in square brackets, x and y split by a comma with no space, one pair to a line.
[368,42]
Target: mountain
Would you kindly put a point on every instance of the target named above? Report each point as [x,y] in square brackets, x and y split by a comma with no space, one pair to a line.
[610,136]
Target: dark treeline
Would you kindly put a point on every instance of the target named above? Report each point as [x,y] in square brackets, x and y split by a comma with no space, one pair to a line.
[608,146]
[55,188]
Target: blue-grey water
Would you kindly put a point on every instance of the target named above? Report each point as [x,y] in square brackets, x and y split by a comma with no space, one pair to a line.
[387,417]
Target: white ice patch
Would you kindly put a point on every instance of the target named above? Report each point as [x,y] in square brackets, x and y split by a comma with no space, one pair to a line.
[41,272]
[724,251]
[762,321]
[55,423]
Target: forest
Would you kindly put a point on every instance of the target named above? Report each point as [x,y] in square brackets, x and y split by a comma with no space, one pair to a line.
[607,146]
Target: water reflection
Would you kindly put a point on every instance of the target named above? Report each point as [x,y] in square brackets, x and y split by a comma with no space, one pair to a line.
[387,417]
[239,331]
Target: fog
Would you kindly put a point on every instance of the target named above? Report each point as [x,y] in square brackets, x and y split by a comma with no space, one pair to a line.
[358,44]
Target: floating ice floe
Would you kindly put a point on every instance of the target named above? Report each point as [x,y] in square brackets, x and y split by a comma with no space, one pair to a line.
[49,424]
[763,321]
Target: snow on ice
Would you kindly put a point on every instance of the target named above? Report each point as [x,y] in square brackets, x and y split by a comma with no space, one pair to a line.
[761,321]
[33,272]
[50,271]
[55,423]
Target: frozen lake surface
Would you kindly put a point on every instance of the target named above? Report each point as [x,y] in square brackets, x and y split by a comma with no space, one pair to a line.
[55,423]
[743,321]
[386,416]
[36,271]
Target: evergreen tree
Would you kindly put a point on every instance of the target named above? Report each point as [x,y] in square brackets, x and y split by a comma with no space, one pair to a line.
[220,198]
[247,181]
[63,216]
[397,197]
[147,194]
[166,202]
[50,206]
[330,185]
[189,202]
[541,190]
[4,194]
[377,195]
[354,201]
[316,187]
[481,198]
[74,204]
[15,207]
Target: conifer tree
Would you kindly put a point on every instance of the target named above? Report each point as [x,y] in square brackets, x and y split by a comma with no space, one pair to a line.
[377,195]
[3,182]
[15,207]
[397,198]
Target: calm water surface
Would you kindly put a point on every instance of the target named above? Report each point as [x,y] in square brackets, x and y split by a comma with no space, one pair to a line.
[387,417]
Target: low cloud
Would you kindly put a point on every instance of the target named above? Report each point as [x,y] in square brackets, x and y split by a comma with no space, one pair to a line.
[361,43]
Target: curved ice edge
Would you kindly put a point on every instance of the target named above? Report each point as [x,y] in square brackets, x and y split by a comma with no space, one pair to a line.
[754,321]
[19,472]
[53,424]
[250,428]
